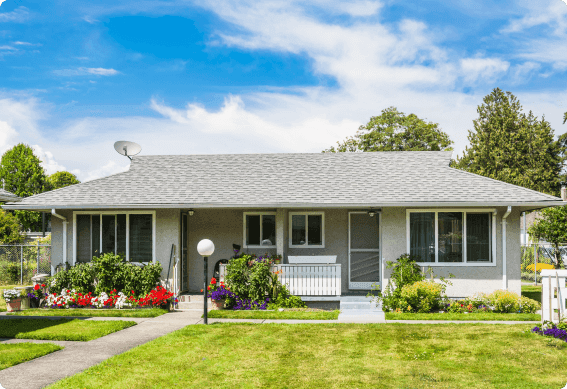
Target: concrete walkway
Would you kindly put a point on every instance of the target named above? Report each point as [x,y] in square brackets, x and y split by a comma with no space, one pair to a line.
[78,356]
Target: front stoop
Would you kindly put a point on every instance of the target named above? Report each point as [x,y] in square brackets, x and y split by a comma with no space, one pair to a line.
[360,309]
[192,302]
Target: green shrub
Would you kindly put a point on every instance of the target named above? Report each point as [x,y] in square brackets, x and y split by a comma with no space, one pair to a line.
[504,301]
[405,272]
[421,297]
[237,275]
[105,273]
[527,305]
[285,300]
[10,229]
[260,282]
[10,272]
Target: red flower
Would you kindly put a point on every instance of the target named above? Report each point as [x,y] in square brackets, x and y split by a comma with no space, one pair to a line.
[43,285]
[201,290]
[209,287]
[36,287]
[213,280]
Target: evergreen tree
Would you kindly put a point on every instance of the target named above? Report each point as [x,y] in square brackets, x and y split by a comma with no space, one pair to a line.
[394,131]
[551,227]
[510,146]
[22,174]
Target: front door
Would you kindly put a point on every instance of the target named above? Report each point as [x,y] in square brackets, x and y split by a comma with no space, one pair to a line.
[363,250]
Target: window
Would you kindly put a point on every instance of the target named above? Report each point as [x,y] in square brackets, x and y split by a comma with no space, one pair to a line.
[451,237]
[130,234]
[259,229]
[307,229]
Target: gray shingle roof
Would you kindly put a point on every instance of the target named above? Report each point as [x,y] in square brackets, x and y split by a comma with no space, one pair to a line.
[279,180]
[8,196]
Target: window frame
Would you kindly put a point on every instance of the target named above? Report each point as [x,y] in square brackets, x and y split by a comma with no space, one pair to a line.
[261,214]
[306,214]
[492,238]
[117,212]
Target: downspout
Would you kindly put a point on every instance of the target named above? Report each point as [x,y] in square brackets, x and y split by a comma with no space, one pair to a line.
[504,277]
[64,234]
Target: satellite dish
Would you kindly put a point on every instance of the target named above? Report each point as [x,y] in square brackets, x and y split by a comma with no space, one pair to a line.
[126,148]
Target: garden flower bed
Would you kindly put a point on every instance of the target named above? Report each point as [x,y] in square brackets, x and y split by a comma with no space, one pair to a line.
[550,329]
[85,312]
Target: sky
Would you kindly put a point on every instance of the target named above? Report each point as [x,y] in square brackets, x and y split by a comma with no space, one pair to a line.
[270,76]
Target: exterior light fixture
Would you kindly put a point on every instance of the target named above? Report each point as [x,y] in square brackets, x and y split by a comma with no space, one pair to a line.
[206,248]
[373,212]
[191,212]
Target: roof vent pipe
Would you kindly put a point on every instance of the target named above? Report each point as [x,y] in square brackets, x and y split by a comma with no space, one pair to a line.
[504,278]
[563,192]
[64,234]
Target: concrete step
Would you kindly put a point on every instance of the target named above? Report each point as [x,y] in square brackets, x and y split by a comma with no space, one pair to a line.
[193,305]
[362,316]
[186,298]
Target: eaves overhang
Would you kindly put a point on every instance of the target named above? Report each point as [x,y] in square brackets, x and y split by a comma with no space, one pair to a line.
[408,204]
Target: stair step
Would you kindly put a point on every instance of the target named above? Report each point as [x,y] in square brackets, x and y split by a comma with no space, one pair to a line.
[193,305]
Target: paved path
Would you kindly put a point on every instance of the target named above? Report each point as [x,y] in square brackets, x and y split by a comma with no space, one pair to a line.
[78,356]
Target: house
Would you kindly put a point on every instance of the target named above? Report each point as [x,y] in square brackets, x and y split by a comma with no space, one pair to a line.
[348,212]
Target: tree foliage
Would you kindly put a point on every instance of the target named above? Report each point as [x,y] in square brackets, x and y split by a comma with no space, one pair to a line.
[394,131]
[10,229]
[511,146]
[551,226]
[23,175]
[62,179]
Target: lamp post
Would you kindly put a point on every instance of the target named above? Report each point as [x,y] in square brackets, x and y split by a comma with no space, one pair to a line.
[205,248]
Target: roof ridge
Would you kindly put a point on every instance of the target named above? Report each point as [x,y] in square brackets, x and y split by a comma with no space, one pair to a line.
[505,183]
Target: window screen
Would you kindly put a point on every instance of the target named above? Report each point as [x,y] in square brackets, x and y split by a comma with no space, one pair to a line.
[141,238]
[478,237]
[422,236]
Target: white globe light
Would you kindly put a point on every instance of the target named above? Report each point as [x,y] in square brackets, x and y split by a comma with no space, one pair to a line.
[206,248]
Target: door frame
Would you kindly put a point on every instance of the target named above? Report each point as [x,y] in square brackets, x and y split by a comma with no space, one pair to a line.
[366,285]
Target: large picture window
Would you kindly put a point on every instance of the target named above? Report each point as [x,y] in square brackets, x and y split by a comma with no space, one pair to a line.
[450,237]
[129,234]
[260,229]
[307,229]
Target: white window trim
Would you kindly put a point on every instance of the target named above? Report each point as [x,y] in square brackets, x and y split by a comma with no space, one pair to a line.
[322,245]
[491,211]
[256,246]
[127,213]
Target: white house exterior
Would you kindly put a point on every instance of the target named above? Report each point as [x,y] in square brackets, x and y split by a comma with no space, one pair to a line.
[300,205]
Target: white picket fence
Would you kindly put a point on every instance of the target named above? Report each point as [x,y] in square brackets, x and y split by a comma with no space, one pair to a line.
[553,294]
[306,280]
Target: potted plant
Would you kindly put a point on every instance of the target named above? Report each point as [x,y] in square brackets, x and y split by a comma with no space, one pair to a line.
[13,299]
[277,259]
[218,293]
[37,295]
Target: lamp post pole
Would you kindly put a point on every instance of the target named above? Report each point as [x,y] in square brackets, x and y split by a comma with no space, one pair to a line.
[205,288]
[206,248]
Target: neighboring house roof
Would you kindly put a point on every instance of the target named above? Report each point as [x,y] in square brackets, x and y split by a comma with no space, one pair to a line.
[289,180]
[8,196]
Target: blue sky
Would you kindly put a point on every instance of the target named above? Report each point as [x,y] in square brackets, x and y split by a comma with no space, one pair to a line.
[183,77]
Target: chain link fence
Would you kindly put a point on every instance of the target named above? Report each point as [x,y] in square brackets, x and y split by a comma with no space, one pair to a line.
[19,263]
[536,257]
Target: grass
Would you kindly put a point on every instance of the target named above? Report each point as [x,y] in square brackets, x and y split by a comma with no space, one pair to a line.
[239,355]
[303,314]
[12,354]
[60,329]
[532,291]
[2,301]
[81,312]
[463,316]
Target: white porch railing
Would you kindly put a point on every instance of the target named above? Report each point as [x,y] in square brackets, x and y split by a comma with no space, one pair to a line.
[553,294]
[306,280]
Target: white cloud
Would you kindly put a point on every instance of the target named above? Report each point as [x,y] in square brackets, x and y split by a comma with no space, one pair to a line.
[19,15]
[86,71]
[7,136]
[49,163]
[485,69]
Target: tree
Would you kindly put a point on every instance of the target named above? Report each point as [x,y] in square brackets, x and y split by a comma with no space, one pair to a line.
[394,131]
[62,179]
[23,175]
[510,146]
[552,227]
[10,229]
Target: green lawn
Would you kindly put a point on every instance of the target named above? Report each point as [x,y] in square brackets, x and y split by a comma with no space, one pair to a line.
[12,354]
[80,312]
[307,314]
[336,356]
[532,291]
[60,329]
[464,316]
